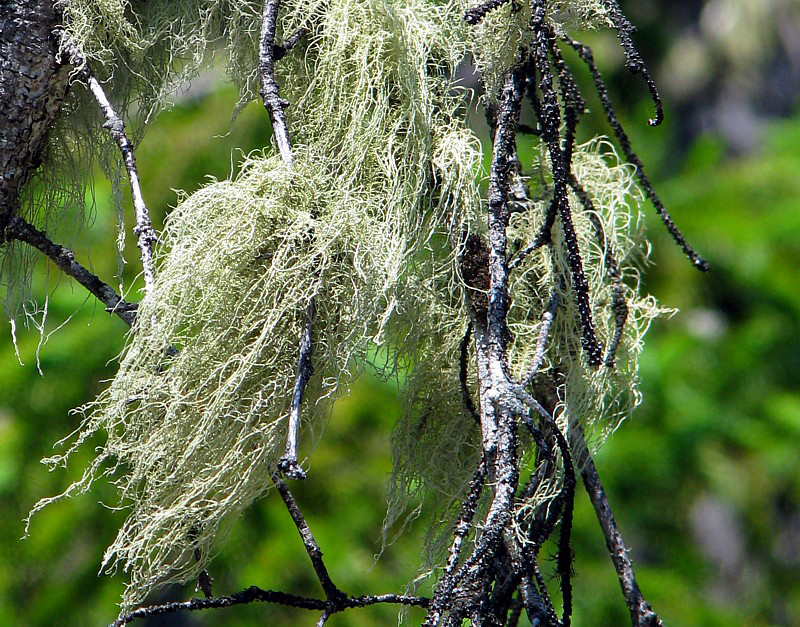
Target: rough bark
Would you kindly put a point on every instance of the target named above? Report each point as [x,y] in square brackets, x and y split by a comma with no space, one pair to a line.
[33,85]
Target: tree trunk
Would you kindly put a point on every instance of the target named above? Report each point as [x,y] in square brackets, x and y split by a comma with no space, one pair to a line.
[33,85]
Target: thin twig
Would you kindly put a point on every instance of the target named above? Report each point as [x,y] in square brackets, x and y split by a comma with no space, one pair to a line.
[64,258]
[250,595]
[543,45]
[466,397]
[633,60]
[475,15]
[642,615]
[333,594]
[275,105]
[280,51]
[566,500]
[462,528]
[618,304]
[288,463]
[144,230]
[541,342]
[585,53]
[255,594]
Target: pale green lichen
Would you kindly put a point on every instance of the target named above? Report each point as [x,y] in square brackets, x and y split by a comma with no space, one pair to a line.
[367,222]
[436,445]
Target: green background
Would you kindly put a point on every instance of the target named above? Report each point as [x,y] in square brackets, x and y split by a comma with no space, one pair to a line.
[704,480]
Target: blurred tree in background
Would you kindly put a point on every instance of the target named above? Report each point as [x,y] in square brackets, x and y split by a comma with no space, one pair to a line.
[705,479]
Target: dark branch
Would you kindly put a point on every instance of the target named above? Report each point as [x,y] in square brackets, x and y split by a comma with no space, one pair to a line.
[475,15]
[586,55]
[251,595]
[462,528]
[462,376]
[543,45]
[633,60]
[618,304]
[257,595]
[64,258]
[333,594]
[642,615]
[275,105]
[278,52]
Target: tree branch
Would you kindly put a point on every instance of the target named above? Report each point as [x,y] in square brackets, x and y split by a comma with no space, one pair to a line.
[288,463]
[144,230]
[275,105]
[642,615]
[334,595]
[585,53]
[255,594]
[541,342]
[33,84]
[64,258]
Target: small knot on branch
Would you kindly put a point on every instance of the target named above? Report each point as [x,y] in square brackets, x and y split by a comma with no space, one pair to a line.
[290,468]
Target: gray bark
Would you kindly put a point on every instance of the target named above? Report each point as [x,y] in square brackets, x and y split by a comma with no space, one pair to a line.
[33,85]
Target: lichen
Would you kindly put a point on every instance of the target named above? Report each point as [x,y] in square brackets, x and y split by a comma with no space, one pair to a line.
[369,221]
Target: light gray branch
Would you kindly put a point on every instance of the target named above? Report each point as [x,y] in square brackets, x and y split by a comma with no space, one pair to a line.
[541,342]
[288,463]
[144,229]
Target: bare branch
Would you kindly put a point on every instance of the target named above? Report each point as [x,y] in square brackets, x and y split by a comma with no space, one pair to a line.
[633,60]
[275,105]
[462,528]
[288,463]
[250,595]
[642,615]
[466,397]
[475,15]
[585,53]
[550,120]
[64,258]
[334,595]
[144,229]
[254,594]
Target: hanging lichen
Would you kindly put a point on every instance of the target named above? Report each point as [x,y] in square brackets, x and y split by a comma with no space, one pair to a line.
[370,222]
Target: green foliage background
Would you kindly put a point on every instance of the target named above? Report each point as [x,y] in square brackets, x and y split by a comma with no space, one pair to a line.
[712,454]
